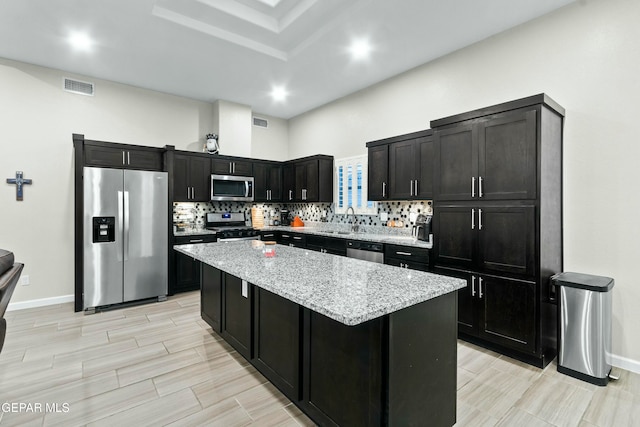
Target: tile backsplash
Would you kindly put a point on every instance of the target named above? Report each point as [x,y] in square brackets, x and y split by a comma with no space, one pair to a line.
[194,213]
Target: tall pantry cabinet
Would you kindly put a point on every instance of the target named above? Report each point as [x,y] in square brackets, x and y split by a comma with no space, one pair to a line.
[498,222]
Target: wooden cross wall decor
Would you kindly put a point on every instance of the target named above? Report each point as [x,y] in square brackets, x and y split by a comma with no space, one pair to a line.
[19,181]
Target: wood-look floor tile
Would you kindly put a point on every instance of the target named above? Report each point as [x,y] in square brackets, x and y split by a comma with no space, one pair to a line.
[36,336]
[146,309]
[191,340]
[277,418]
[74,391]
[114,324]
[475,359]
[186,318]
[93,352]
[520,418]
[169,313]
[11,356]
[227,413]
[189,299]
[168,333]
[261,400]
[629,381]
[141,329]
[552,371]
[19,368]
[612,407]
[104,405]
[515,367]
[191,375]
[470,416]
[464,377]
[32,381]
[22,420]
[150,368]
[157,412]
[493,391]
[122,359]
[79,320]
[298,415]
[226,384]
[555,401]
[65,345]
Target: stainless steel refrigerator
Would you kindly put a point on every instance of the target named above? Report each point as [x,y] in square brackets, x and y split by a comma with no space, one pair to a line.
[125,236]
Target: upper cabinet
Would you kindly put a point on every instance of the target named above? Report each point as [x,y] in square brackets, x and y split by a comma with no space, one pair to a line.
[231,166]
[493,158]
[267,181]
[191,177]
[401,168]
[110,155]
[309,179]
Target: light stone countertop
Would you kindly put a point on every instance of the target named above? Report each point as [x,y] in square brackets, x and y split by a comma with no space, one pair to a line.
[348,290]
[367,236]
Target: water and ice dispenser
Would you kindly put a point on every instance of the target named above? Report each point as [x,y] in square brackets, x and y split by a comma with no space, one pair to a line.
[104,229]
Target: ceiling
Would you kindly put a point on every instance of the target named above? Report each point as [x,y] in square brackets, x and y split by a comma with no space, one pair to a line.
[239,50]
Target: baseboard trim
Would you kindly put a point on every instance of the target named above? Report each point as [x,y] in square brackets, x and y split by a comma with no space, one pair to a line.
[626,364]
[21,305]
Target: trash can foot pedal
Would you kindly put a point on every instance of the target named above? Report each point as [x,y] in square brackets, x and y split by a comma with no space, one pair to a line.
[614,376]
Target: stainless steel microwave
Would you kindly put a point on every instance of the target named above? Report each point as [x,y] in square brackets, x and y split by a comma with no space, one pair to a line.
[231,188]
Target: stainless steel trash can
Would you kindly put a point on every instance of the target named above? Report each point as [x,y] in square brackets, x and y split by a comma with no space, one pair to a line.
[584,330]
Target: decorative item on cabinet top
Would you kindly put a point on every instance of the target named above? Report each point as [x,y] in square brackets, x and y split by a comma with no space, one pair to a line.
[212,146]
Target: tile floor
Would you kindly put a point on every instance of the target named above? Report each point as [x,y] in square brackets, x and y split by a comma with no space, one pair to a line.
[160,364]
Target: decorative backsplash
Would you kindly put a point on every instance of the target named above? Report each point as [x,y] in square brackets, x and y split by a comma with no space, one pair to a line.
[194,213]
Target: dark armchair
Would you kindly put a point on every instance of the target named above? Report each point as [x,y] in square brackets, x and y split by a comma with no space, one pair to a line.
[9,275]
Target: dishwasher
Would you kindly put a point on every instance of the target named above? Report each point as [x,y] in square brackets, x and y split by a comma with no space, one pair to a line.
[368,251]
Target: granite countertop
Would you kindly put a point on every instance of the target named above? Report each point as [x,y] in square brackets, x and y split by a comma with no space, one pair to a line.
[367,235]
[194,232]
[348,290]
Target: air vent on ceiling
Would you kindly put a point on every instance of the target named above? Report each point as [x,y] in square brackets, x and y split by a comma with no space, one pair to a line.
[263,123]
[76,86]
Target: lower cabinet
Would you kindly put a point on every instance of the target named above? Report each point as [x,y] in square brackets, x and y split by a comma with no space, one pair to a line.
[187,273]
[327,245]
[497,309]
[407,257]
[277,345]
[237,325]
[398,369]
[211,297]
[297,240]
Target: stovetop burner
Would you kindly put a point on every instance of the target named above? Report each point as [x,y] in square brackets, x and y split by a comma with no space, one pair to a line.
[230,226]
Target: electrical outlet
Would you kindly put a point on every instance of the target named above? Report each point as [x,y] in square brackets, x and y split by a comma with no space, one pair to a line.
[24,280]
[384,216]
[413,216]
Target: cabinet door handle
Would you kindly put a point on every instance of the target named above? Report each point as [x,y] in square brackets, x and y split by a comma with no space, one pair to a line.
[123,158]
[188,193]
[479,186]
[128,157]
[473,220]
[290,194]
[196,240]
[384,189]
[411,186]
[297,238]
[193,193]
[234,167]
[229,167]
[416,192]
[473,186]
[480,287]
[403,253]
[473,286]
[286,236]
[479,219]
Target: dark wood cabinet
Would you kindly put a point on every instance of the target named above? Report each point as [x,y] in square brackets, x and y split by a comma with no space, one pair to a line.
[378,172]
[407,257]
[186,274]
[277,341]
[237,324]
[211,297]
[485,238]
[191,177]
[327,245]
[110,155]
[297,240]
[267,182]
[231,166]
[498,222]
[401,168]
[288,182]
[312,179]
[489,159]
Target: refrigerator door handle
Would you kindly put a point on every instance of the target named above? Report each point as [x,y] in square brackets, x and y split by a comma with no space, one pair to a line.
[120,223]
[126,226]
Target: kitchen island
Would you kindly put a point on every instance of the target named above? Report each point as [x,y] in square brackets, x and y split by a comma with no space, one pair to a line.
[348,341]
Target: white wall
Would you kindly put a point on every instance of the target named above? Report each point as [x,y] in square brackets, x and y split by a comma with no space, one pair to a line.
[233,126]
[586,56]
[38,118]
[272,142]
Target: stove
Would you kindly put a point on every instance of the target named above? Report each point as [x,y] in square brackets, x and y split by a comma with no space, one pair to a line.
[230,226]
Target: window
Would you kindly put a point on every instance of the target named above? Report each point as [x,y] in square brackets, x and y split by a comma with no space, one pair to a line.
[351,186]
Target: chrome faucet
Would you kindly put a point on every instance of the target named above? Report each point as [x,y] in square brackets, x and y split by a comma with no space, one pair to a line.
[354,225]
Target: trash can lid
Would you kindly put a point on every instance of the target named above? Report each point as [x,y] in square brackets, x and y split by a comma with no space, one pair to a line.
[583,281]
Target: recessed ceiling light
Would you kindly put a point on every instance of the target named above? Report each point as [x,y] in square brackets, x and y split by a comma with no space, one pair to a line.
[360,49]
[279,93]
[80,41]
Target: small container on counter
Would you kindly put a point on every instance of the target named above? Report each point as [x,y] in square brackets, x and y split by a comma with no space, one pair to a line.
[269,249]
